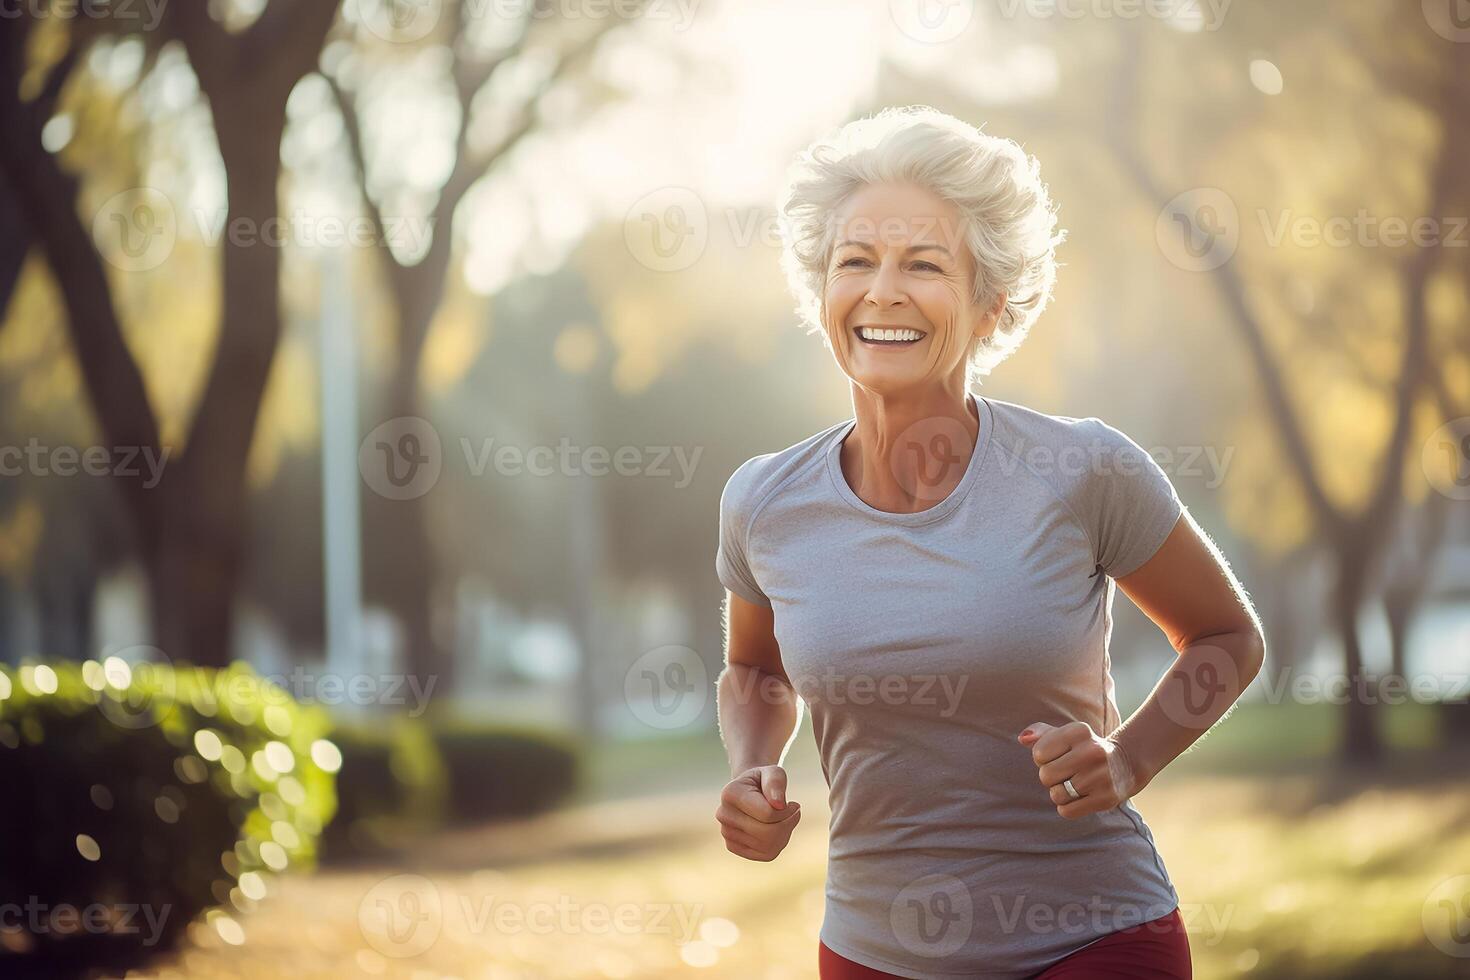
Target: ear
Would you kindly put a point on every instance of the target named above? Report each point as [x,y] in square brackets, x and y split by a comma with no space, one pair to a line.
[997,307]
[988,318]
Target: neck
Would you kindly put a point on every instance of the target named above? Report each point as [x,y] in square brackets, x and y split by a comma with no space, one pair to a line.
[909,449]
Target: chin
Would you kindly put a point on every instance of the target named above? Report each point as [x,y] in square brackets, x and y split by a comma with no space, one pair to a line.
[890,381]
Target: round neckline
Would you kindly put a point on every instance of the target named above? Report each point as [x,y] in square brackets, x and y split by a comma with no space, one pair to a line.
[986,416]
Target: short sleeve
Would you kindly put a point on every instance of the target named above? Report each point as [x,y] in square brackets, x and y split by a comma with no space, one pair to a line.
[1127,501]
[732,560]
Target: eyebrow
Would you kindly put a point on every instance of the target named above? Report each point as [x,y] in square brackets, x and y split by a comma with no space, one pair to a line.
[911,248]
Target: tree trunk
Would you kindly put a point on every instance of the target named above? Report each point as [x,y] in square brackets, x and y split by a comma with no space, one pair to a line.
[192,583]
[15,243]
[64,601]
[1399,606]
[1425,539]
[1360,745]
[197,555]
[10,642]
[399,558]
[191,526]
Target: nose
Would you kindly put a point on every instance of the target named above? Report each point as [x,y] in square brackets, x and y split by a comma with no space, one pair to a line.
[886,289]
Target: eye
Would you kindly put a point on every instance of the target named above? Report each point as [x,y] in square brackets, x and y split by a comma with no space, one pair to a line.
[927,267]
[852,261]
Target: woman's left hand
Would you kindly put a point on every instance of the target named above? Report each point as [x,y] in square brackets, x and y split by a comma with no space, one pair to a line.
[1099,769]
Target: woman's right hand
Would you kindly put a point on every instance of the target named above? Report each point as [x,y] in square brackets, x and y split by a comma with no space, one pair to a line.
[754,817]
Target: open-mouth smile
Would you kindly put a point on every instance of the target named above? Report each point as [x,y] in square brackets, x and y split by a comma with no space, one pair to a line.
[888,337]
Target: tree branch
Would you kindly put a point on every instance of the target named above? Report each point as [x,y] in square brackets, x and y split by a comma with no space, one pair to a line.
[289,33]
[211,54]
[47,197]
[469,168]
[1414,367]
[1124,141]
[352,125]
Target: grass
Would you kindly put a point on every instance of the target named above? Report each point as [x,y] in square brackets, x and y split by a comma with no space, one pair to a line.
[616,770]
[1259,738]
[1286,868]
[1254,739]
[1275,884]
[1313,875]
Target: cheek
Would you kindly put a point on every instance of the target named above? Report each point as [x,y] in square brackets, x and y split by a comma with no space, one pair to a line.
[843,290]
[838,300]
[945,306]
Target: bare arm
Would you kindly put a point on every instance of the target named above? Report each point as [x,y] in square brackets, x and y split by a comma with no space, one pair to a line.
[1189,591]
[759,714]
[759,711]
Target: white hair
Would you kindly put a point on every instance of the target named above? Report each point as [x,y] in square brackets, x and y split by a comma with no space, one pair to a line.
[1008,218]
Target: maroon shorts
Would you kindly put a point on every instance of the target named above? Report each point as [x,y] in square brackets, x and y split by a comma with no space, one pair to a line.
[1156,950]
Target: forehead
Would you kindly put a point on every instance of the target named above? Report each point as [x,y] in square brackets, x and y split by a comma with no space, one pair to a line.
[899,215]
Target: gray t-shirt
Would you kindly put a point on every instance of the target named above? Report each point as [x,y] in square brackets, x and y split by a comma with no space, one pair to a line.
[923,644]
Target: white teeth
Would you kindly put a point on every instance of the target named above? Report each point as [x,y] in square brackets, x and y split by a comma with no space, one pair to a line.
[901,333]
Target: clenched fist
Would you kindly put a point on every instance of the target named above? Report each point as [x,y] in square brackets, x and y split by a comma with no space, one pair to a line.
[1097,767]
[754,817]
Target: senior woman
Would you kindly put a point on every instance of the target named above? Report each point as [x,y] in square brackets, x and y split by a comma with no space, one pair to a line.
[934,579]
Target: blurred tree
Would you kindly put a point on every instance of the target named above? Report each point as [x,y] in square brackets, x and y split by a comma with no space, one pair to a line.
[1438,80]
[190,527]
[15,242]
[570,360]
[1426,529]
[401,567]
[1340,339]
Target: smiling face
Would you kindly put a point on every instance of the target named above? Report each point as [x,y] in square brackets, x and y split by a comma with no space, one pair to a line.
[897,305]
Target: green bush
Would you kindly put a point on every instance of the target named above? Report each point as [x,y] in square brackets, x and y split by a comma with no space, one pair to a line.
[402,777]
[140,799]
[497,772]
[392,782]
